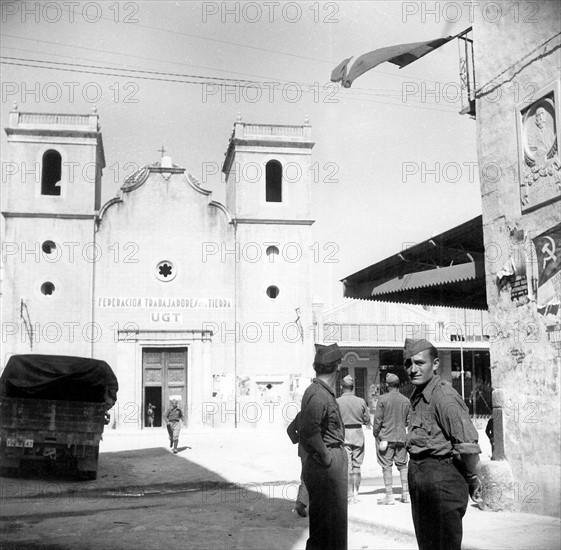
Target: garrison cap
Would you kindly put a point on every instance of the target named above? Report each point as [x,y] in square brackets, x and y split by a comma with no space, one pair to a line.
[392,379]
[349,380]
[326,355]
[412,347]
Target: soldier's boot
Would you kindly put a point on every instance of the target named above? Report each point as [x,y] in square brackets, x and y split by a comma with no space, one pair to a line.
[356,484]
[175,441]
[404,485]
[350,486]
[388,483]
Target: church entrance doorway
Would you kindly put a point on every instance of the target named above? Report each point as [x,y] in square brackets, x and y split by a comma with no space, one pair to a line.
[164,377]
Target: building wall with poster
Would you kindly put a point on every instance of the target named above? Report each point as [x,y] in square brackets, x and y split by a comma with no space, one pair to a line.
[517,67]
[184,297]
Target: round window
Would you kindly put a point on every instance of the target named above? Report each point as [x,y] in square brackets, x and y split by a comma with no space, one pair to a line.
[273,291]
[166,271]
[47,288]
[48,247]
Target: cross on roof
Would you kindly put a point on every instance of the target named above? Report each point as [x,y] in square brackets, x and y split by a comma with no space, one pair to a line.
[162,150]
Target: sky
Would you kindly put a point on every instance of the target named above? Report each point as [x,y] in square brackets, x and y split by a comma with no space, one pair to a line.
[394,161]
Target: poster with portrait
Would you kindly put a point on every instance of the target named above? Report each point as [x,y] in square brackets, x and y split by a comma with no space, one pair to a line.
[538,148]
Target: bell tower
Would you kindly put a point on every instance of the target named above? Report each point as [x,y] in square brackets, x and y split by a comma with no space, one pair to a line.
[268,194]
[51,190]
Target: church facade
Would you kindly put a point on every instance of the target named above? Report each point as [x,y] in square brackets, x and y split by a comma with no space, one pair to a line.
[184,297]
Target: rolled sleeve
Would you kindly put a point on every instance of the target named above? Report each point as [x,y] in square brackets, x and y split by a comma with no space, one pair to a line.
[453,417]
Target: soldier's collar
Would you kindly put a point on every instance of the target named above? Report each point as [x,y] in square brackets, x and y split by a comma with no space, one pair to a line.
[426,392]
[328,388]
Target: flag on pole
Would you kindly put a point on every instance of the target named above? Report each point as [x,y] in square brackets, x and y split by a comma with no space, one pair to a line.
[400,55]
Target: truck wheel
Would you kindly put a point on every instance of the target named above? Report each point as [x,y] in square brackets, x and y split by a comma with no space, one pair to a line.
[85,475]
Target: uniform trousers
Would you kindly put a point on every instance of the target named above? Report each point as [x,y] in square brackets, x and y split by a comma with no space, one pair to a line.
[327,488]
[174,428]
[439,498]
[395,453]
[302,495]
[355,458]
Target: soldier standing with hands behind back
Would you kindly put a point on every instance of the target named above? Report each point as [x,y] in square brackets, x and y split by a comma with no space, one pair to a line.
[355,414]
[390,421]
[443,451]
[322,435]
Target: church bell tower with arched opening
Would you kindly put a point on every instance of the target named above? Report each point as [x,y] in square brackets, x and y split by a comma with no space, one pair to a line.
[51,192]
[268,194]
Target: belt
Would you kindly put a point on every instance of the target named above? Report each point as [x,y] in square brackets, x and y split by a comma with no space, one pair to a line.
[334,445]
[353,426]
[427,456]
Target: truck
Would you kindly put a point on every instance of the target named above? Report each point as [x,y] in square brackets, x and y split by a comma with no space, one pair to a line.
[53,411]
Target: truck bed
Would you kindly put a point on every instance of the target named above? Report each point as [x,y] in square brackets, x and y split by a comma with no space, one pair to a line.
[63,432]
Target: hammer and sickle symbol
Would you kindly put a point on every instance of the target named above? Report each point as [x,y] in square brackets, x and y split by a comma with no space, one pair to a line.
[550,251]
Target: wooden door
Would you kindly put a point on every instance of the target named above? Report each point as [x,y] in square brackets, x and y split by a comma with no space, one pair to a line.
[166,368]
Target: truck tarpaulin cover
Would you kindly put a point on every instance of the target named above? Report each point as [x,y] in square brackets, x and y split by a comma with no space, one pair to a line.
[59,377]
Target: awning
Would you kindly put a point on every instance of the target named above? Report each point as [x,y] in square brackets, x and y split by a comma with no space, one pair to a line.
[434,277]
[446,270]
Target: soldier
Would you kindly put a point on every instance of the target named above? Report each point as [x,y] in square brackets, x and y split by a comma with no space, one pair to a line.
[150,414]
[173,418]
[355,414]
[443,450]
[390,420]
[322,435]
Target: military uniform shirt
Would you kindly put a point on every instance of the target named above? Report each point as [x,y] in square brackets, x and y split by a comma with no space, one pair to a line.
[353,411]
[393,413]
[440,424]
[173,415]
[321,425]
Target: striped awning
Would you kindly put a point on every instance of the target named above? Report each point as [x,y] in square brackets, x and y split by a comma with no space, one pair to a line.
[433,277]
[446,270]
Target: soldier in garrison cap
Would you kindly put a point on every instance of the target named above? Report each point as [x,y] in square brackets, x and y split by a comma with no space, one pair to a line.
[173,418]
[322,435]
[443,451]
[355,414]
[390,421]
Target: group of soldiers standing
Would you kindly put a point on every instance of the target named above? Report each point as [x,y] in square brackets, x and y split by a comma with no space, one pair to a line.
[433,428]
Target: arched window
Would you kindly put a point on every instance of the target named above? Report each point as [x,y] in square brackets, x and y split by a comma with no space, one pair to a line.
[51,173]
[273,181]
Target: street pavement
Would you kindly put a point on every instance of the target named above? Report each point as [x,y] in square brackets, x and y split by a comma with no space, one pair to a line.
[256,470]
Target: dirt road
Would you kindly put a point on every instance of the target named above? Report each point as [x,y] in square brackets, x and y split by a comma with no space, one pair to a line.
[221,491]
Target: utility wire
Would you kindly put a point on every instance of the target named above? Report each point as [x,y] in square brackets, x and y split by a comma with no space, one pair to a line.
[97,50]
[161,73]
[368,91]
[154,78]
[355,93]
